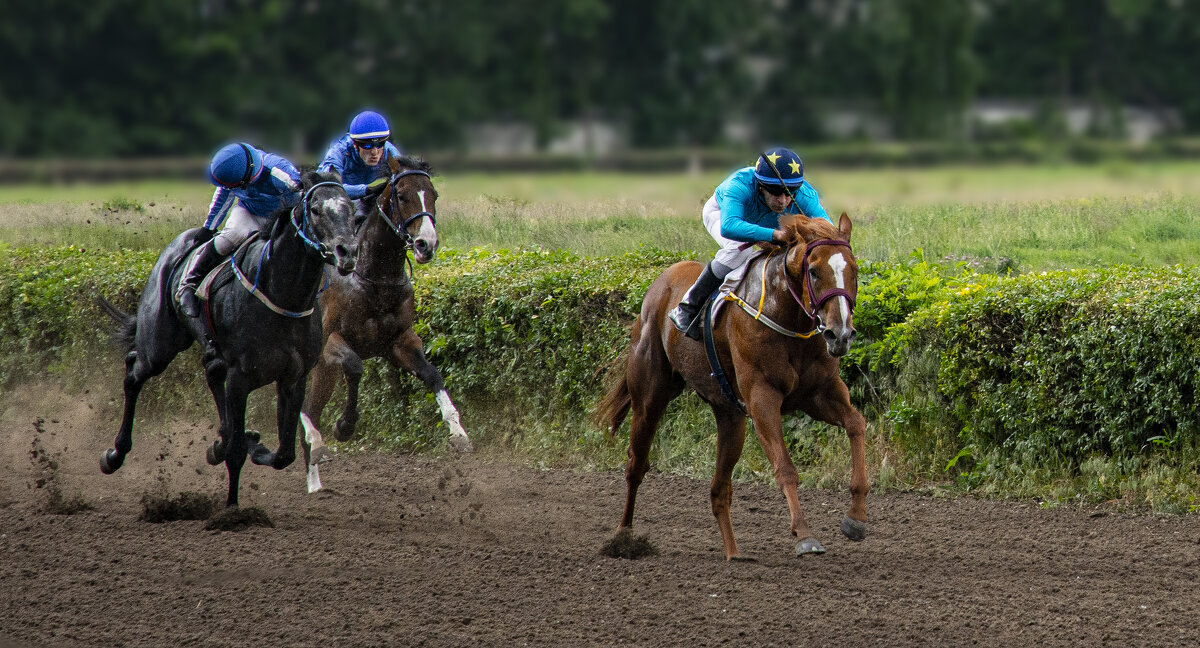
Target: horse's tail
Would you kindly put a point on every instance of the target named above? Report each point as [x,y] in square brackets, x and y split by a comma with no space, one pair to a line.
[614,407]
[126,323]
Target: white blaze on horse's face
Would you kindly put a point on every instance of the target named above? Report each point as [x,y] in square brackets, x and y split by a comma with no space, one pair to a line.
[426,239]
[838,264]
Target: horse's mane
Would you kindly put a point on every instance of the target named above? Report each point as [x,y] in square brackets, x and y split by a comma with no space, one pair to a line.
[802,229]
[415,163]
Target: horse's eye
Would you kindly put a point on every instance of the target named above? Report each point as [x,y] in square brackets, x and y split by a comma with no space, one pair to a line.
[812,272]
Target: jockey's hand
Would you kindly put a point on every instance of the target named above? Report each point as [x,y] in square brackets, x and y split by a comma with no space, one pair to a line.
[375,187]
[777,241]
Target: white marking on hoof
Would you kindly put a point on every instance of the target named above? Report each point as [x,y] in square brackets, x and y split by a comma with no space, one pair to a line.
[458,436]
[314,479]
[317,452]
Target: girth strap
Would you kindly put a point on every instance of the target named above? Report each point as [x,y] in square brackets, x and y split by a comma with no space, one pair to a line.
[714,362]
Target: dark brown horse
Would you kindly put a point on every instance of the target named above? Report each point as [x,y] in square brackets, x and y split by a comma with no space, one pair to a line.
[807,294]
[370,313]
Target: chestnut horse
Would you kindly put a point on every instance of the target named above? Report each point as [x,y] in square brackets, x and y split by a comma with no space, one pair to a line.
[780,355]
[370,313]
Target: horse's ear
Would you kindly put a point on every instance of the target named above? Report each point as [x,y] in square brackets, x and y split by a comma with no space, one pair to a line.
[308,178]
[334,175]
[844,226]
[392,163]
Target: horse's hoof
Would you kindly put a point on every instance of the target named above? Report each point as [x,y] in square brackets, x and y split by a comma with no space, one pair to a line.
[809,546]
[343,431]
[461,443]
[853,529]
[261,455]
[110,461]
[215,454]
[319,455]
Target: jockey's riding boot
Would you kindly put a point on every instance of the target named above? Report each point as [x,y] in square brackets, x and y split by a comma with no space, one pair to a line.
[685,316]
[201,263]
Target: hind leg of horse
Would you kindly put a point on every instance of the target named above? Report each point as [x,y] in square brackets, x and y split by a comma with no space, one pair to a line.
[731,438]
[409,353]
[336,355]
[324,379]
[215,371]
[236,392]
[651,389]
[137,372]
[288,400]
[765,408]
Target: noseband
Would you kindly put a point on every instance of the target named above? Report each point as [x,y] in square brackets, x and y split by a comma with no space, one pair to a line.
[402,229]
[815,303]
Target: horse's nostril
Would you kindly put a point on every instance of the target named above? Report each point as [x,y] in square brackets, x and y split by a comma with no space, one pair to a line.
[422,244]
[341,250]
[829,335]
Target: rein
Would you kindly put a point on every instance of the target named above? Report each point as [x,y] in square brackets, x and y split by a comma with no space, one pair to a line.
[816,304]
[401,231]
[265,254]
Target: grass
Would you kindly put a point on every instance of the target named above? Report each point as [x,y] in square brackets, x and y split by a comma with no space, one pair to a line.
[1031,218]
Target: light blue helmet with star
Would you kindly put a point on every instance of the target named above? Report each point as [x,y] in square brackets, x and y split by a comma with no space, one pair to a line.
[779,166]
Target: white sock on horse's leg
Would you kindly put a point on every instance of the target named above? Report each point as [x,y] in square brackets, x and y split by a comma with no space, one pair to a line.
[458,436]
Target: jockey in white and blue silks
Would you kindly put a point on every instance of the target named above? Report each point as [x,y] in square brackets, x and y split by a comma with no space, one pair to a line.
[252,186]
[745,208]
[359,157]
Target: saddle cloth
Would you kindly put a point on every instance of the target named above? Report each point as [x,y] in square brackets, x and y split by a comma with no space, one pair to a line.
[731,283]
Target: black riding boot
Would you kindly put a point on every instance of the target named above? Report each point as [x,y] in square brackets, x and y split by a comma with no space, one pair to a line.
[205,259]
[685,315]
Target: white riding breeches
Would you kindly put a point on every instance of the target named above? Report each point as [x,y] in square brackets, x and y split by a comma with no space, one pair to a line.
[239,224]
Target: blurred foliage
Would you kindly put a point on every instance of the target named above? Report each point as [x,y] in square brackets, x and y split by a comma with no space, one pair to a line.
[148,78]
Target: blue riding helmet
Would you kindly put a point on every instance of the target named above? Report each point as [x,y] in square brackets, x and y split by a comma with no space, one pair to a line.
[235,165]
[787,163]
[369,125]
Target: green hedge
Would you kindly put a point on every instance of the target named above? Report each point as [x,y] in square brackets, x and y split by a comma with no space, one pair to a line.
[1056,366]
[962,372]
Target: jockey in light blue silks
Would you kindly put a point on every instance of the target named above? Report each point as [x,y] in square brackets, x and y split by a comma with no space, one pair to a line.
[359,157]
[251,187]
[745,208]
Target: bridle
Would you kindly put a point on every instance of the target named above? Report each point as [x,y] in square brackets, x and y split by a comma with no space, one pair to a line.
[304,224]
[815,303]
[402,229]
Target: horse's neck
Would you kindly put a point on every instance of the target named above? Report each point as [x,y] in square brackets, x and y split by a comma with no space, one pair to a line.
[381,252]
[289,270]
[779,304]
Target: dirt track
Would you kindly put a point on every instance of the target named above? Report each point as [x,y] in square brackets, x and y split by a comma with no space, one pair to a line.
[405,551]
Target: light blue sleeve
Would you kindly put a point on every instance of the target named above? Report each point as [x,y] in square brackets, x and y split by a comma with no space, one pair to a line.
[809,202]
[334,158]
[732,196]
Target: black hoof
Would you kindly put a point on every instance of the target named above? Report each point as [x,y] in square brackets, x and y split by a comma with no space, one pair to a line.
[261,455]
[853,529]
[809,546]
[216,453]
[343,430]
[110,461]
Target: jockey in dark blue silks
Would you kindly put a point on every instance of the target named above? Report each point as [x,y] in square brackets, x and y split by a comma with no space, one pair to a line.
[745,208]
[359,157]
[251,186]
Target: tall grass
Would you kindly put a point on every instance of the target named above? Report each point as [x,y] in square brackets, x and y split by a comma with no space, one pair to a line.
[1027,218]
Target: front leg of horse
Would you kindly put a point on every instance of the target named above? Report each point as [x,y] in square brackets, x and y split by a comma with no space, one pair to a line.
[288,401]
[765,405]
[854,523]
[409,353]
[235,443]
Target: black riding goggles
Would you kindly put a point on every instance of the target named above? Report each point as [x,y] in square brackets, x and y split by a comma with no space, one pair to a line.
[371,144]
[778,190]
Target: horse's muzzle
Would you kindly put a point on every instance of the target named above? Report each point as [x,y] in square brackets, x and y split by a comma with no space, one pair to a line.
[423,250]
[345,257]
[838,340]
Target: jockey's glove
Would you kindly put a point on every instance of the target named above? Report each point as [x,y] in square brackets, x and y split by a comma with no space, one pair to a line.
[376,185]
